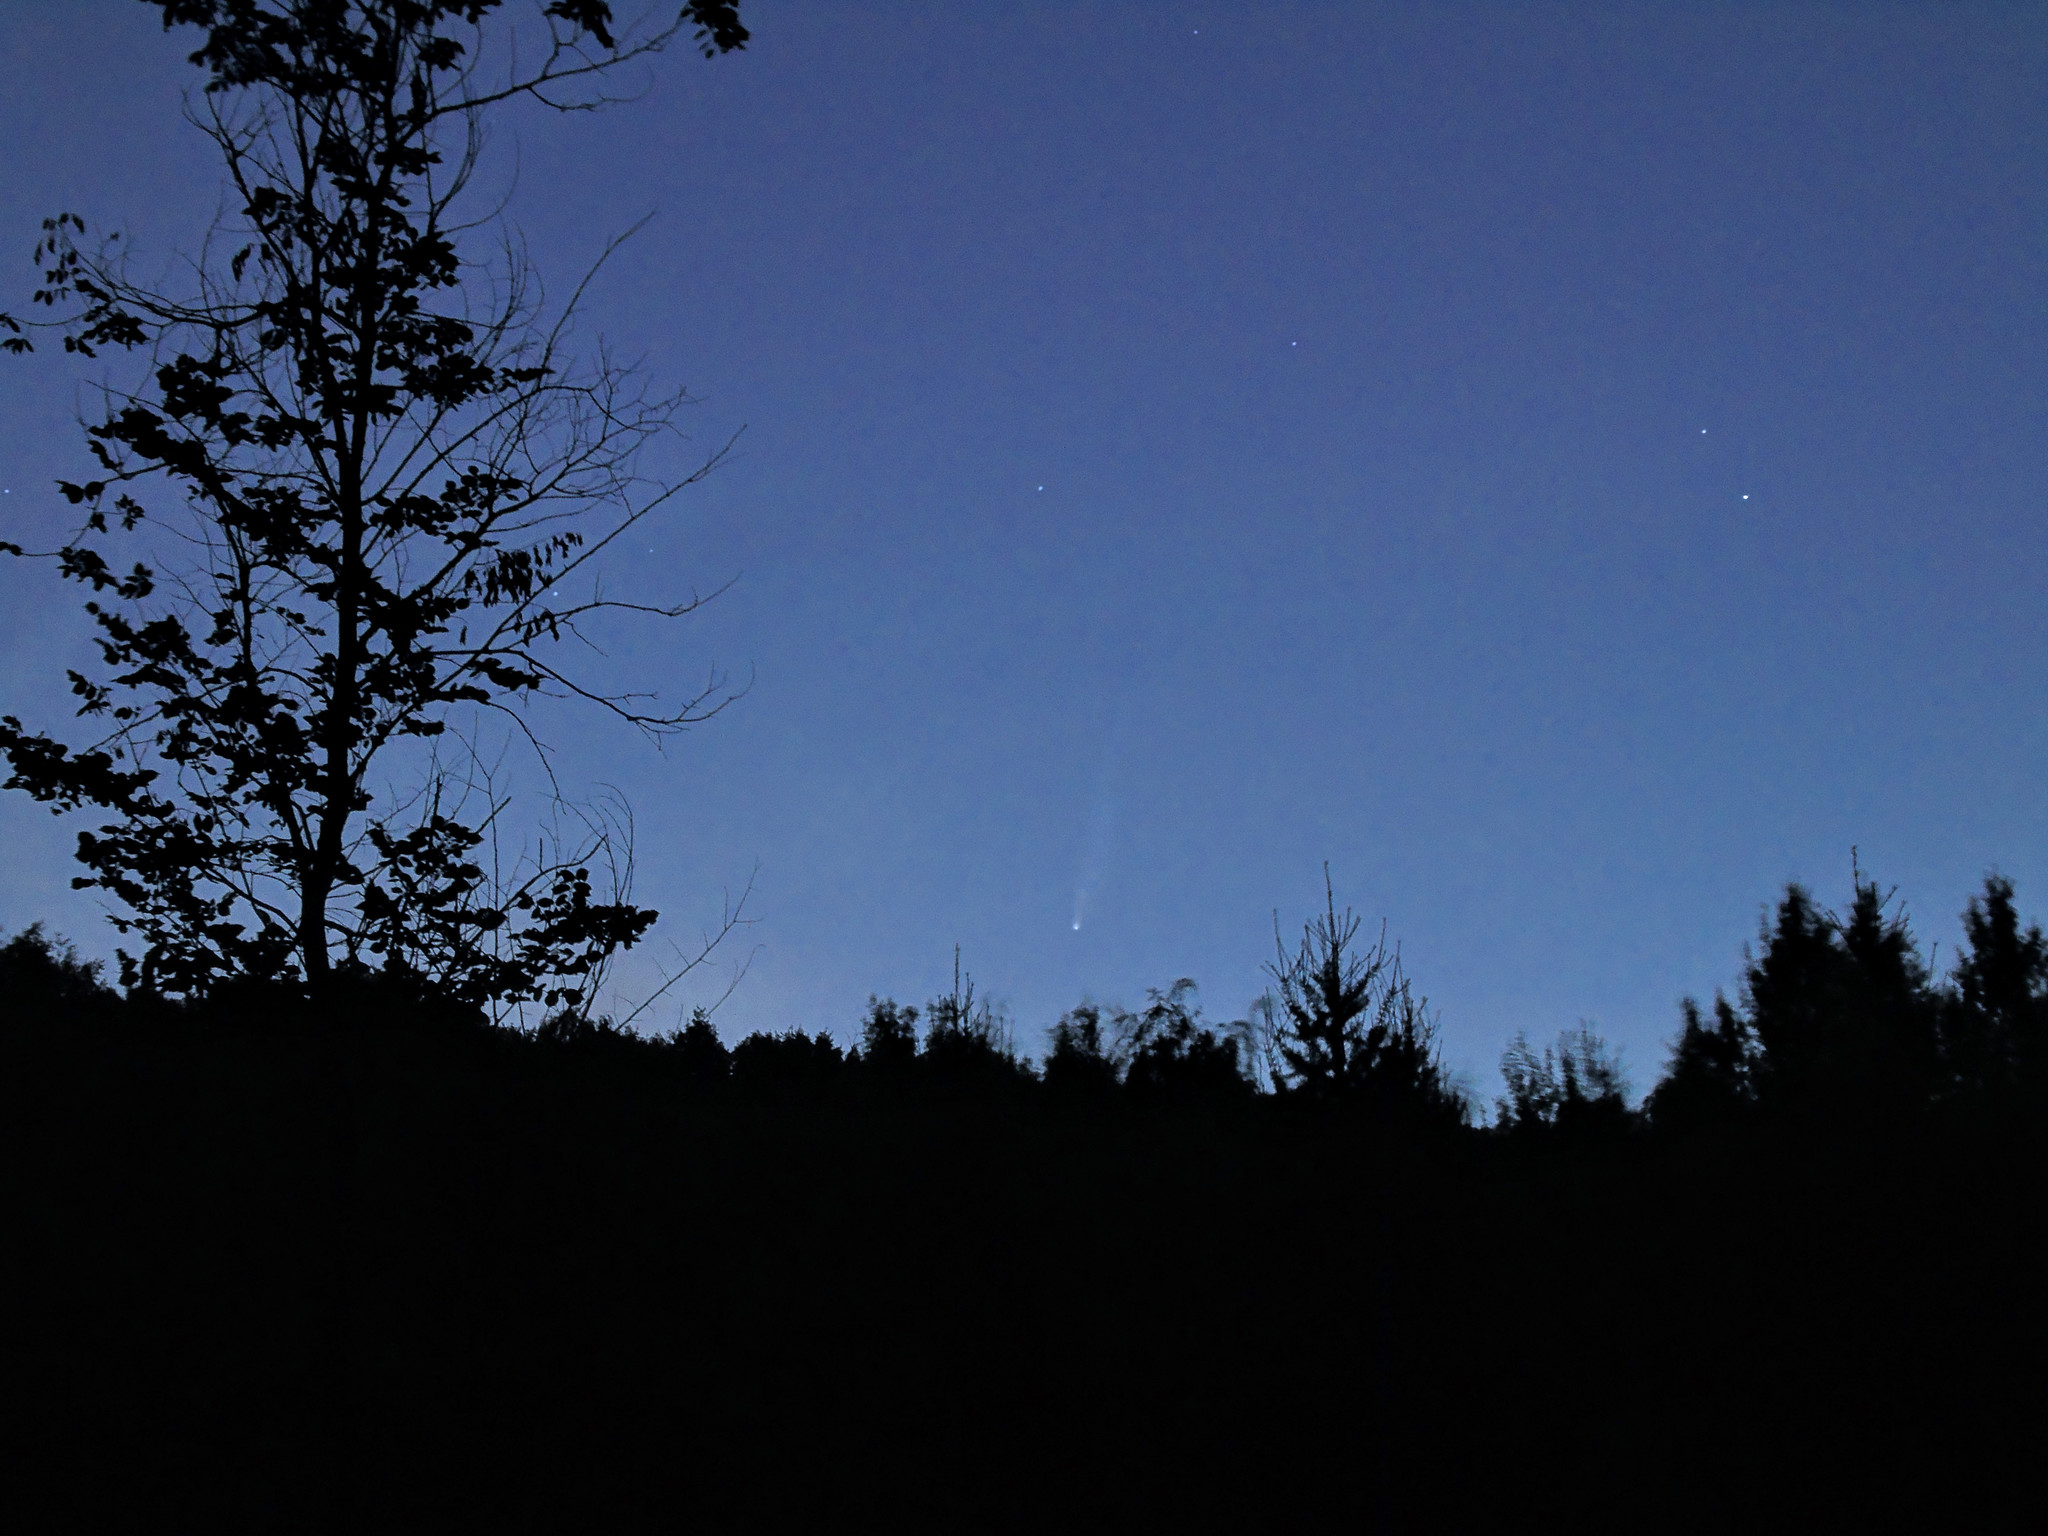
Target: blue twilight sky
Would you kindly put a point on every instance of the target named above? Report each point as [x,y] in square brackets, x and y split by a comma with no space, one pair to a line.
[1573,468]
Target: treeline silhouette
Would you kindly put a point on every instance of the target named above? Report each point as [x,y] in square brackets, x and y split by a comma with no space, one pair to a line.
[379,1263]
[1843,1026]
[1840,1027]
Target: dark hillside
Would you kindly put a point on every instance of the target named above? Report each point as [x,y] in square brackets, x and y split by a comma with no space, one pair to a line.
[386,1276]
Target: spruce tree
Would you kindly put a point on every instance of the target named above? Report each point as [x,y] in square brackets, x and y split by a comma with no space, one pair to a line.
[1995,1027]
[1349,1028]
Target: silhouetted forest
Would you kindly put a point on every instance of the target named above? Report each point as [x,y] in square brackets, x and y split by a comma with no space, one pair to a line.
[378,1262]
[301,1234]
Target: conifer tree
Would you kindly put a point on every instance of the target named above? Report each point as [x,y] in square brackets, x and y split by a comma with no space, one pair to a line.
[1843,1011]
[1792,995]
[1348,1027]
[1710,1078]
[1995,1027]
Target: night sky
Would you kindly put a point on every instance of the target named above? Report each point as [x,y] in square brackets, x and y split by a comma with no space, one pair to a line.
[1571,468]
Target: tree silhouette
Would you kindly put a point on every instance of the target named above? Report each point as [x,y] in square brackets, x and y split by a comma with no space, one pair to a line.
[1845,1019]
[1576,1088]
[1892,1023]
[1349,1028]
[770,1063]
[1711,1076]
[1995,1027]
[888,1036]
[1170,1052]
[967,1039]
[1082,1059]
[45,979]
[698,1052]
[1792,994]
[392,480]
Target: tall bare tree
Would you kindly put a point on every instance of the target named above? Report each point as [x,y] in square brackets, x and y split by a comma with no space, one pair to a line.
[379,465]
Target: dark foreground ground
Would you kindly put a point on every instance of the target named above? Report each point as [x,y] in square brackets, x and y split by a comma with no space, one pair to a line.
[288,1279]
